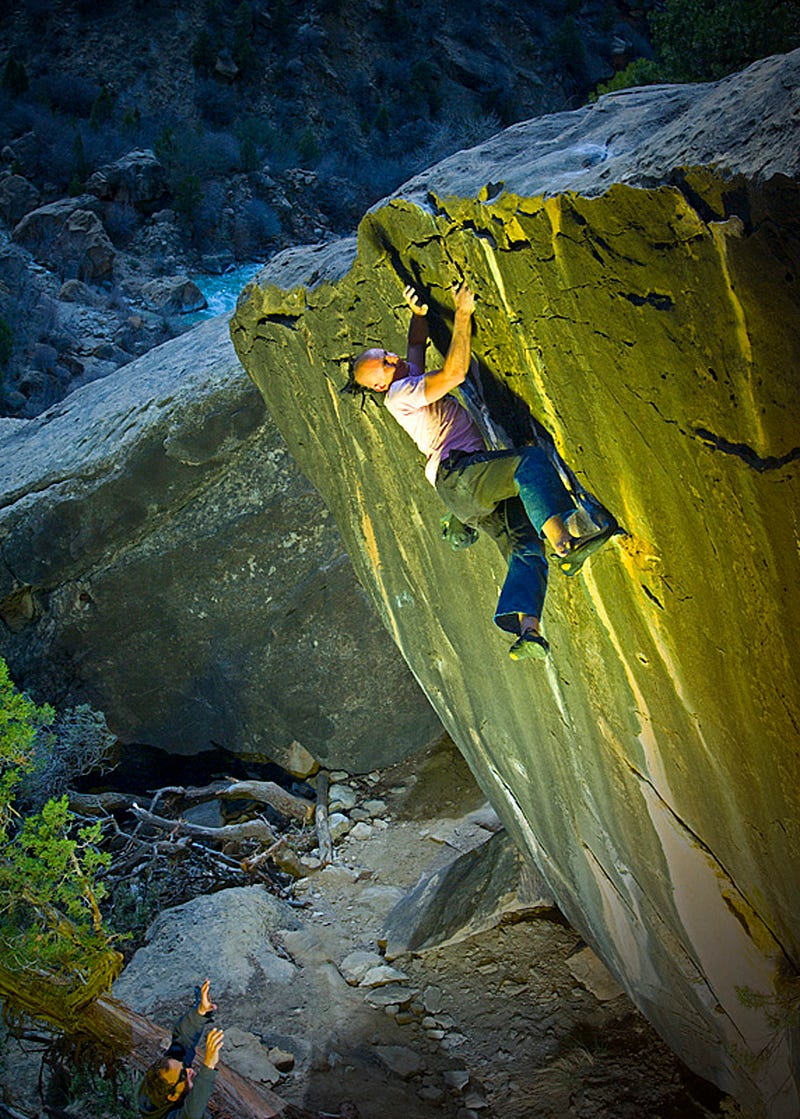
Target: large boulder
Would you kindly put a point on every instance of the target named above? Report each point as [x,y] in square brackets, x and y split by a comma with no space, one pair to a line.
[473,893]
[83,248]
[225,935]
[137,179]
[637,267]
[68,237]
[163,560]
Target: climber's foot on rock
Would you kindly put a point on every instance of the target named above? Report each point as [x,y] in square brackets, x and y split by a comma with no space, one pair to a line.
[579,548]
[529,646]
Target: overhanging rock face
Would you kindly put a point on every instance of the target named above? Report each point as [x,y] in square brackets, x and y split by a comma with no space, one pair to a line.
[162,558]
[638,271]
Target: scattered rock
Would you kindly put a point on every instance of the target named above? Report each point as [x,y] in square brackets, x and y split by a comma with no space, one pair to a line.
[245,1053]
[299,761]
[431,1092]
[403,1062]
[225,66]
[393,995]
[339,825]
[341,798]
[593,974]
[356,964]
[457,1079]
[283,1060]
[361,830]
[208,814]
[381,975]
[432,999]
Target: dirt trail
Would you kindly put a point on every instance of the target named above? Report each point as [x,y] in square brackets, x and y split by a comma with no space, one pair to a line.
[496,1025]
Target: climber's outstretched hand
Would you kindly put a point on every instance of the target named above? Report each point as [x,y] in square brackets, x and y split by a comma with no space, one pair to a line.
[412,300]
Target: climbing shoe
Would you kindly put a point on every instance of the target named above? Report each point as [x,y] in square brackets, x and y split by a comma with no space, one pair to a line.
[529,646]
[584,547]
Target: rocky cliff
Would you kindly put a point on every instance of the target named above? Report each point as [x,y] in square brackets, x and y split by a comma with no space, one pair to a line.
[637,265]
[162,558]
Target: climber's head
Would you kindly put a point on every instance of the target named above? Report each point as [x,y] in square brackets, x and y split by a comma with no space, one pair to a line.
[376,369]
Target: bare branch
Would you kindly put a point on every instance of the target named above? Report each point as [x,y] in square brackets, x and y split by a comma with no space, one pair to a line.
[252,829]
[267,792]
[324,840]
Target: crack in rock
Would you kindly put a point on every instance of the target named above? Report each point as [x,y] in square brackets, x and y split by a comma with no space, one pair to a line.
[747,454]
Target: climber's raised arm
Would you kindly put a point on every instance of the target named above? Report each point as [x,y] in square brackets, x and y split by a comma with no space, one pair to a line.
[417,329]
[456,363]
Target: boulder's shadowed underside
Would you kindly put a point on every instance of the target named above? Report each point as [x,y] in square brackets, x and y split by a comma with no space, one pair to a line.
[638,271]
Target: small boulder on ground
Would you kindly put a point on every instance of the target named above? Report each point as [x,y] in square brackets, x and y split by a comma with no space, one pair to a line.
[173,295]
[592,973]
[356,964]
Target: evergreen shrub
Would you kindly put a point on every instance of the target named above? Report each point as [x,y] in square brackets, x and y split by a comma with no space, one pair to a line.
[57,953]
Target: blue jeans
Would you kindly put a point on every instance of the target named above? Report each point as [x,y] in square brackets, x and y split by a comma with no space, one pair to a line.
[509,495]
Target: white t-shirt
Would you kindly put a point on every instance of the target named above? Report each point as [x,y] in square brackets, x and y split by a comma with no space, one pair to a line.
[437,428]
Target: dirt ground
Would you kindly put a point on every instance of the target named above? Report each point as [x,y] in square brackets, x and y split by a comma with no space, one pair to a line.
[495,1025]
[498,1024]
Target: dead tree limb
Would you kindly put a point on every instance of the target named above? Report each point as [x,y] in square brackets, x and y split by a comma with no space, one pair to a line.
[264,792]
[324,840]
[267,792]
[231,833]
[282,855]
[94,804]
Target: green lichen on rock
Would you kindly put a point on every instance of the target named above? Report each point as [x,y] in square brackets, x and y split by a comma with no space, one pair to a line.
[650,768]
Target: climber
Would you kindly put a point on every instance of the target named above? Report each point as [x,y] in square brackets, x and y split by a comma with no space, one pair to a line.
[171,1089]
[516,495]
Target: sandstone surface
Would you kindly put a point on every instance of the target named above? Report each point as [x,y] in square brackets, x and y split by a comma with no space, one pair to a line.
[162,559]
[637,266]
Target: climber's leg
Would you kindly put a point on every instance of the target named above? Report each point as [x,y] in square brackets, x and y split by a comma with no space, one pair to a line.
[519,607]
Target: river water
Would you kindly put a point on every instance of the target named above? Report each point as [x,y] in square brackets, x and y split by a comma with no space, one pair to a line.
[221,292]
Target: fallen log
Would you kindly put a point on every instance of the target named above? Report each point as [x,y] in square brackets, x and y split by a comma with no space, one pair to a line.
[324,840]
[229,833]
[121,1034]
[142,1042]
